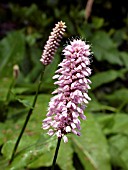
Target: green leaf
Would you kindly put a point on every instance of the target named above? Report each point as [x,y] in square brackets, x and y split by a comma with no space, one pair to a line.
[26,103]
[91,146]
[106,77]
[29,153]
[119,97]
[4,87]
[120,124]
[46,145]
[119,151]
[114,123]
[31,38]
[105,49]
[97,22]
[12,49]
[124,57]
[34,146]
[95,106]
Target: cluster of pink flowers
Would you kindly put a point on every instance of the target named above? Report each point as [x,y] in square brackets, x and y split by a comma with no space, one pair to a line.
[53,43]
[71,96]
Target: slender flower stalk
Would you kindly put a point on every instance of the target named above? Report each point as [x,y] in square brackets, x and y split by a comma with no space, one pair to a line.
[27,117]
[56,154]
[71,96]
[53,43]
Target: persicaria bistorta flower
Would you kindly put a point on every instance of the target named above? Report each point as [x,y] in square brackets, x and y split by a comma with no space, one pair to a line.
[53,43]
[71,96]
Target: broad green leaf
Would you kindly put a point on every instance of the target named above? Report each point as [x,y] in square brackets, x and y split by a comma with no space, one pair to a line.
[4,87]
[105,49]
[29,153]
[31,38]
[26,103]
[17,115]
[95,106]
[119,150]
[46,157]
[12,50]
[114,123]
[119,36]
[120,124]
[106,121]
[86,33]
[64,159]
[33,146]
[30,149]
[118,96]
[106,77]
[124,57]
[97,22]
[91,146]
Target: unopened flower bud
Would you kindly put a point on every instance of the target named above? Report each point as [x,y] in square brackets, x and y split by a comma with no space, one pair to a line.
[16,71]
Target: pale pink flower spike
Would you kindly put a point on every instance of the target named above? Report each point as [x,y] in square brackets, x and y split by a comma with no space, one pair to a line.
[53,43]
[71,96]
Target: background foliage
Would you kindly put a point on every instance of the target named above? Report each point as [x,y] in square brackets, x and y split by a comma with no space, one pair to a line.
[24,29]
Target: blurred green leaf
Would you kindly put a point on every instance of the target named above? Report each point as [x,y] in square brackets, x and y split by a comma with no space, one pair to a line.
[105,49]
[114,123]
[120,124]
[97,22]
[105,77]
[95,106]
[118,97]
[33,145]
[106,122]
[12,50]
[29,153]
[124,56]
[26,103]
[119,36]
[31,38]
[4,87]
[92,147]
[119,151]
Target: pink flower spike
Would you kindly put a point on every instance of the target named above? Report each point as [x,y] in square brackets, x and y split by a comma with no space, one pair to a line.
[67,106]
[53,43]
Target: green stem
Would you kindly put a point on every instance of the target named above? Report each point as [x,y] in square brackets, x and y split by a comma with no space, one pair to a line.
[56,154]
[9,90]
[27,118]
